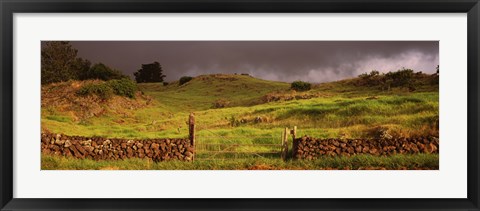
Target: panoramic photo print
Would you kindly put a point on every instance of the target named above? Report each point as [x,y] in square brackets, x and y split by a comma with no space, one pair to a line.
[240,105]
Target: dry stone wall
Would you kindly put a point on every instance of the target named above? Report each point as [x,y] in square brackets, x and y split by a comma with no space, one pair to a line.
[98,148]
[311,148]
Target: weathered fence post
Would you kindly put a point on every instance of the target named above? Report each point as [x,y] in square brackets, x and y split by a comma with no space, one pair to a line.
[294,135]
[191,131]
[285,144]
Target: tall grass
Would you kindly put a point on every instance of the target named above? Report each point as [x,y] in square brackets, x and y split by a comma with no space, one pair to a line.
[417,161]
[322,116]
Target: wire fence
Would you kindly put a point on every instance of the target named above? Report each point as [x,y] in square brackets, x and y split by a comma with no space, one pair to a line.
[216,146]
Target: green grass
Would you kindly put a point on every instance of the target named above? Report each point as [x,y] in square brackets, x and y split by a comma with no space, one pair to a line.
[323,117]
[417,161]
[59,118]
[340,110]
[201,92]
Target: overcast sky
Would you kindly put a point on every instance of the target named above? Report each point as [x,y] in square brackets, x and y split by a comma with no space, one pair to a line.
[314,61]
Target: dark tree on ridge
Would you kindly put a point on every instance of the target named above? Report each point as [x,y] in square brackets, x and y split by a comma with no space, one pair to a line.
[59,60]
[149,73]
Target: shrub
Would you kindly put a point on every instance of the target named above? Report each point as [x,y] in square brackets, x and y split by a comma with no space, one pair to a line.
[403,77]
[102,72]
[123,87]
[371,79]
[406,78]
[234,122]
[434,79]
[300,86]
[165,83]
[102,90]
[221,103]
[184,80]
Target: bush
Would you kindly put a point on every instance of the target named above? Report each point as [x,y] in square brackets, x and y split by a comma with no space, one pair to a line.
[102,90]
[124,87]
[403,77]
[184,80]
[234,122]
[221,103]
[373,78]
[102,72]
[301,86]
[165,83]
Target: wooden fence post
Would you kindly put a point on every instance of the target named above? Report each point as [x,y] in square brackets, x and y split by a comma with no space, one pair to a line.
[191,131]
[294,136]
[285,144]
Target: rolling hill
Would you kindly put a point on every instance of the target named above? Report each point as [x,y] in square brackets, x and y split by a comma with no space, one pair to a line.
[240,109]
[203,91]
[255,107]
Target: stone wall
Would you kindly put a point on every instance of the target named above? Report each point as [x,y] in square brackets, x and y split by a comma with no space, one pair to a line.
[98,148]
[311,148]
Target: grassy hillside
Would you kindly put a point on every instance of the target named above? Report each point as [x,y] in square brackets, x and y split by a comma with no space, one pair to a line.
[203,91]
[334,109]
[63,109]
[256,112]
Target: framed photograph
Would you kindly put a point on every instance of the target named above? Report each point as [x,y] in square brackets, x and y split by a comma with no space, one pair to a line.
[254,105]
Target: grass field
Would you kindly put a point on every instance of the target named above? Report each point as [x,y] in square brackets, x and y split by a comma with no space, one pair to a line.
[362,162]
[336,109]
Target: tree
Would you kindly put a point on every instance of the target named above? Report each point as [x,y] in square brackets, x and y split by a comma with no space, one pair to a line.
[149,73]
[82,67]
[58,62]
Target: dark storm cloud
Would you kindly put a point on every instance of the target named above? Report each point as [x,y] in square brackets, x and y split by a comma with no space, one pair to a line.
[315,61]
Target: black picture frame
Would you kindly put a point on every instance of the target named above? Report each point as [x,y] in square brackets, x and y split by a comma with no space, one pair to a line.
[9,7]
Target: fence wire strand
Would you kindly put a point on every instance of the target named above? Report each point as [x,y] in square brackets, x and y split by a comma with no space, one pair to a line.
[211,151]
